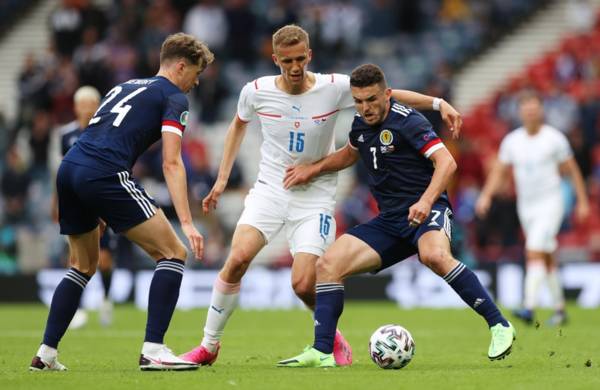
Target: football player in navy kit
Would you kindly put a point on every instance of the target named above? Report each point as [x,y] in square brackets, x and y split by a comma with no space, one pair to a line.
[94,182]
[85,103]
[409,170]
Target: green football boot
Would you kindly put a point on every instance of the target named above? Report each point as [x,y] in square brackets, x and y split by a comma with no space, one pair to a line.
[309,358]
[502,339]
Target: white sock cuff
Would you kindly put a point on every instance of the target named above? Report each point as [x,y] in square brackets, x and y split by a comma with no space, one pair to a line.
[226,288]
[46,352]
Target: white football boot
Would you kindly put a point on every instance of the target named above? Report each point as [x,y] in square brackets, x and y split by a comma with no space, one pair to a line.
[157,357]
[106,312]
[46,360]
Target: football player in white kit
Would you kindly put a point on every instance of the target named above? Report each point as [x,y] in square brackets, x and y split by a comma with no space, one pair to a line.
[538,153]
[297,111]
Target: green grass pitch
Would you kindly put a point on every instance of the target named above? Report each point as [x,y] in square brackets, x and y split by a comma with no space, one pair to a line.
[451,352]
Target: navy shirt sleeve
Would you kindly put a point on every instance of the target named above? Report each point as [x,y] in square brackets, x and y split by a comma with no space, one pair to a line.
[420,135]
[175,114]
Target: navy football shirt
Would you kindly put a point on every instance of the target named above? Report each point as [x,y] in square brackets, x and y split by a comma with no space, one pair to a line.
[130,118]
[396,154]
[69,134]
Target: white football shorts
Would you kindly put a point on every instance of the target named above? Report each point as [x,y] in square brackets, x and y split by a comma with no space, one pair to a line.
[541,222]
[309,225]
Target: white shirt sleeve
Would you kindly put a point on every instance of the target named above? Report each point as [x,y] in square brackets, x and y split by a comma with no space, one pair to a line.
[563,148]
[505,155]
[245,107]
[342,82]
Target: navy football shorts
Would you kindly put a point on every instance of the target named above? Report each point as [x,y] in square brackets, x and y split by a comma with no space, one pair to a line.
[86,194]
[390,235]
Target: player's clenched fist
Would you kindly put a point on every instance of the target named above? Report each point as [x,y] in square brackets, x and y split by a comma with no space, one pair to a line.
[418,212]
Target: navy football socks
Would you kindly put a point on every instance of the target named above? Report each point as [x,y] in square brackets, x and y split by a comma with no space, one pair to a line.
[162,298]
[328,309]
[469,288]
[106,281]
[65,302]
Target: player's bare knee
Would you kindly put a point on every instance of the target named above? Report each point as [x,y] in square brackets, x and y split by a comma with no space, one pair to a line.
[304,288]
[435,259]
[180,251]
[239,259]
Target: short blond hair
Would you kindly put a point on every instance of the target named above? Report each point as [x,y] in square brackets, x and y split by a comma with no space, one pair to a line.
[86,92]
[290,35]
[181,45]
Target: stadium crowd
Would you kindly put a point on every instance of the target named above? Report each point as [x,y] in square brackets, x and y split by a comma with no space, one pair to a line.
[418,44]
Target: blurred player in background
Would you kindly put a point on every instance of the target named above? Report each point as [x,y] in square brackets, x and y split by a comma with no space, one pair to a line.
[409,169]
[297,110]
[538,153]
[86,101]
[94,182]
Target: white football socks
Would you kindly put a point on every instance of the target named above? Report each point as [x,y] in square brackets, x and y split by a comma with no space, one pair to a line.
[556,290]
[534,276]
[224,300]
[47,353]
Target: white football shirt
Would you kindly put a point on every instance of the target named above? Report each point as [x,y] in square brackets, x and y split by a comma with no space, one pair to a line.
[535,160]
[296,128]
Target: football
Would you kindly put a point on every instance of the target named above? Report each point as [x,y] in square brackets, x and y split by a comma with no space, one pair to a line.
[391,346]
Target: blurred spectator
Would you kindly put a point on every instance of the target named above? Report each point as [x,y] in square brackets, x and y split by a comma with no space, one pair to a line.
[92,16]
[581,151]
[581,15]
[279,14]
[589,110]
[3,134]
[342,28]
[34,90]
[16,180]
[454,11]
[122,57]
[242,30]
[66,24]
[561,110]
[381,19]
[90,60]
[39,141]
[160,21]
[63,84]
[210,93]
[129,14]
[207,21]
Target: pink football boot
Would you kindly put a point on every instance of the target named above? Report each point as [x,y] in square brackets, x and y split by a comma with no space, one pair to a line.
[201,355]
[342,352]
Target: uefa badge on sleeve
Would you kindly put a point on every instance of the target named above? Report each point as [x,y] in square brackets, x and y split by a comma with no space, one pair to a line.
[183,118]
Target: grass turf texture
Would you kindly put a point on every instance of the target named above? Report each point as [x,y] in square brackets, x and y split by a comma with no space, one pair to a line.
[451,352]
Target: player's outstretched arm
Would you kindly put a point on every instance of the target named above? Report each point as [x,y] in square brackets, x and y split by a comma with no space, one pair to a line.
[175,177]
[571,169]
[302,174]
[233,139]
[445,166]
[449,114]
[496,176]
